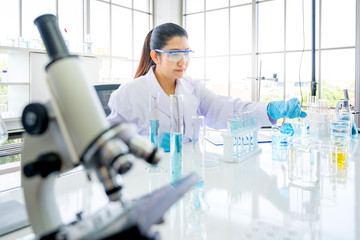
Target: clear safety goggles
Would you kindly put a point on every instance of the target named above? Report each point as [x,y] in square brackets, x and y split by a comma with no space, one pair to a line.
[176,56]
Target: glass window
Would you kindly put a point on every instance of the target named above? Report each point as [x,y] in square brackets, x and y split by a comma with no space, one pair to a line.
[213,4]
[240,29]
[338,23]
[338,31]
[71,24]
[238,2]
[100,27]
[125,3]
[296,38]
[271,64]
[217,32]
[240,77]
[121,32]
[194,6]
[337,73]
[217,71]
[143,5]
[195,28]
[271,26]
[142,27]
[298,73]
[9,33]
[32,10]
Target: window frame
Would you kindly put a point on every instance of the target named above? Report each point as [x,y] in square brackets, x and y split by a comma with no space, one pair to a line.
[255,53]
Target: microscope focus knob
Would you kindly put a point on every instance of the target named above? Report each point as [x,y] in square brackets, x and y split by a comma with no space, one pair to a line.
[35,118]
[44,165]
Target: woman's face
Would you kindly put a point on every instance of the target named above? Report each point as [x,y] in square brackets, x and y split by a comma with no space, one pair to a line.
[169,68]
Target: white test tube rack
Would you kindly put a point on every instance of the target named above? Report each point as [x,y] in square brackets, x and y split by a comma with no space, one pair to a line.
[235,152]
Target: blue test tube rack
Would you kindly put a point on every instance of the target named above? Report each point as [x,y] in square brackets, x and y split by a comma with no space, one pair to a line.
[241,141]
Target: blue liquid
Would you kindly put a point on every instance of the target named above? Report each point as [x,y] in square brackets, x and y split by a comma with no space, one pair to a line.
[233,126]
[200,184]
[279,140]
[176,156]
[154,132]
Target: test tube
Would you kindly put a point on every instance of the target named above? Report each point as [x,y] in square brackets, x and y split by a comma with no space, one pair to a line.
[176,136]
[254,136]
[248,136]
[232,125]
[240,128]
[154,125]
[154,118]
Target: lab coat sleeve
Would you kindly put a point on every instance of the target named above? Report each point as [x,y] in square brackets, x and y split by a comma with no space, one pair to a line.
[215,108]
[117,108]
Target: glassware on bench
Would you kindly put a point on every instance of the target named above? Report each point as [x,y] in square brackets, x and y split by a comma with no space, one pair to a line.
[176,136]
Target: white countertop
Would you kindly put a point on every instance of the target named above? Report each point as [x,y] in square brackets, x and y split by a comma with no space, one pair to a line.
[249,200]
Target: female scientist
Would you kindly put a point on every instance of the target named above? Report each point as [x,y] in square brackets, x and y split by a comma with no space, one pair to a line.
[164,60]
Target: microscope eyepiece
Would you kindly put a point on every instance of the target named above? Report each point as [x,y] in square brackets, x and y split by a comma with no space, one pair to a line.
[51,36]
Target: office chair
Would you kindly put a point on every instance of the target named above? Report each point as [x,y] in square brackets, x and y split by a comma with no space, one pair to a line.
[104,91]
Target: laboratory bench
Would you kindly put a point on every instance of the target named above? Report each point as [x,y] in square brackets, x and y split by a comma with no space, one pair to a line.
[253,199]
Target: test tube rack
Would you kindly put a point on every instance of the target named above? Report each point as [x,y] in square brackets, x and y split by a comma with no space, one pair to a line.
[240,146]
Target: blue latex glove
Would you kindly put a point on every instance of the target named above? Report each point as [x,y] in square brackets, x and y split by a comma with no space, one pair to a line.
[287,129]
[164,141]
[277,109]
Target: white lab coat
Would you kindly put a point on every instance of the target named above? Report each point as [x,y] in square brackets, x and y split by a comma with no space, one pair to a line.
[130,103]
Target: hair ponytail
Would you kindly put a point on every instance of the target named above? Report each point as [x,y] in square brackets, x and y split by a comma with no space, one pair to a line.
[157,39]
[145,61]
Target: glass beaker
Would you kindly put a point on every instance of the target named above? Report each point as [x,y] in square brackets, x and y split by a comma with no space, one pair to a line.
[304,161]
[176,136]
[342,107]
[340,131]
[278,139]
[328,160]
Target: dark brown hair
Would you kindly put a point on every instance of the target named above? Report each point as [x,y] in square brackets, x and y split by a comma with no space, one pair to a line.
[157,38]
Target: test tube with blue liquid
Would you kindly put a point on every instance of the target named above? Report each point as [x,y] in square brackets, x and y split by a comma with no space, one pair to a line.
[254,135]
[247,127]
[154,99]
[240,128]
[176,137]
[232,124]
